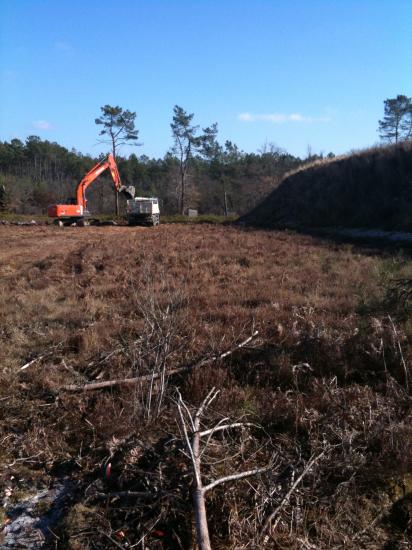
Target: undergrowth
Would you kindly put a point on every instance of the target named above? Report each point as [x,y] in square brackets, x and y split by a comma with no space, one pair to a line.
[326,378]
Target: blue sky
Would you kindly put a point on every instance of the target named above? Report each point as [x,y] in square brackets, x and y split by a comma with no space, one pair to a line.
[295,73]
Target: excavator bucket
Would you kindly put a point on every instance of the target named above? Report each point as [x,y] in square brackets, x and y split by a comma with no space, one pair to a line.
[128,191]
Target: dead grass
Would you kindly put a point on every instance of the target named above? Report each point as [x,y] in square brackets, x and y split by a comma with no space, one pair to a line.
[366,189]
[325,374]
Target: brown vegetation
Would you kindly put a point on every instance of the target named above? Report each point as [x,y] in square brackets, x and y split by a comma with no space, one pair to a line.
[323,391]
[371,188]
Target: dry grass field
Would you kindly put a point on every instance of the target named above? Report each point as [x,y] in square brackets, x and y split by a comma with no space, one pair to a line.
[323,388]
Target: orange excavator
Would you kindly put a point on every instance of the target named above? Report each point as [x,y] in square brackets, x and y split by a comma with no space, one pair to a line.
[76,209]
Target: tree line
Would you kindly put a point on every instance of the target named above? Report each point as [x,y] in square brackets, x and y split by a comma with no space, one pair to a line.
[197,172]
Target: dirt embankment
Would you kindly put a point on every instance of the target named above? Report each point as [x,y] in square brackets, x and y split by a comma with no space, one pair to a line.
[371,189]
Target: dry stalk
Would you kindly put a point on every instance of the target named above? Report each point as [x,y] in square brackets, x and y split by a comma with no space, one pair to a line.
[285,500]
[398,344]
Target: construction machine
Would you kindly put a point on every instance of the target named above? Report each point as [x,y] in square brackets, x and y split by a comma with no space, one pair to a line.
[143,211]
[75,211]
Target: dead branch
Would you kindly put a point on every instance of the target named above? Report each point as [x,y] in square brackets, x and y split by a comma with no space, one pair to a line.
[40,357]
[226,427]
[112,540]
[192,441]
[235,477]
[397,339]
[268,522]
[27,365]
[153,376]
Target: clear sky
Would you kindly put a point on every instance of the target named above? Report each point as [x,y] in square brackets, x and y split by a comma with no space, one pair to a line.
[292,72]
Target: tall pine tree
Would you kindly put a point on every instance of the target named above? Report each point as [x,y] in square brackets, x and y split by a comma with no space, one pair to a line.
[396,124]
[118,129]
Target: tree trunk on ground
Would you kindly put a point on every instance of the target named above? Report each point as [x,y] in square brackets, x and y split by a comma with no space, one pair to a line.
[202,530]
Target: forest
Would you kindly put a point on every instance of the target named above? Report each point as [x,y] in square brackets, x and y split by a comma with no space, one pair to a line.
[36,173]
[196,172]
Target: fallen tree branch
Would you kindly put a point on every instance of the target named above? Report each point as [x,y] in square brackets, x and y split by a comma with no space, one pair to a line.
[153,376]
[112,540]
[27,365]
[40,357]
[191,436]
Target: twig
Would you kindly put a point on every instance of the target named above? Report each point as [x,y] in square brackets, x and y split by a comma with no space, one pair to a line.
[148,377]
[405,369]
[27,365]
[26,459]
[112,540]
[227,427]
[286,498]
[147,532]
[40,357]
[235,477]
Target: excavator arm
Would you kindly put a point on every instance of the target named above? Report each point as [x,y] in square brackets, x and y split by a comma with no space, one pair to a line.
[94,173]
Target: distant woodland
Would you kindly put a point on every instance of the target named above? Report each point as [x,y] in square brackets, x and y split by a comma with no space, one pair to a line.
[37,172]
[199,172]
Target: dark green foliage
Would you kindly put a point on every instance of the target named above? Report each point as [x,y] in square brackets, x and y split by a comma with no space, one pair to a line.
[4,199]
[118,126]
[396,124]
[118,129]
[188,143]
[222,178]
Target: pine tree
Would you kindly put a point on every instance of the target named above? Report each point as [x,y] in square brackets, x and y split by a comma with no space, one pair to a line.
[188,142]
[118,129]
[396,124]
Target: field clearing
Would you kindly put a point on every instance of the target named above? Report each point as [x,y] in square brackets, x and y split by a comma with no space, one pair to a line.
[327,376]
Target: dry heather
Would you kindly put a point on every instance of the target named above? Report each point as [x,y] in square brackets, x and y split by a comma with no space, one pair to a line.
[325,384]
[370,189]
